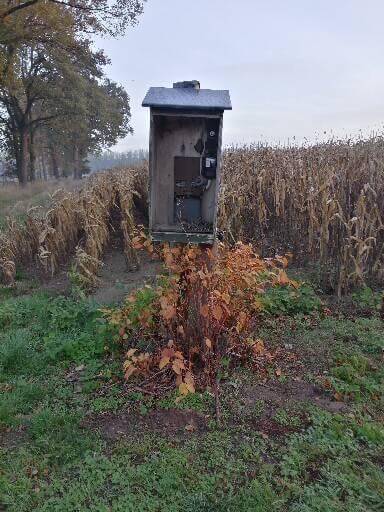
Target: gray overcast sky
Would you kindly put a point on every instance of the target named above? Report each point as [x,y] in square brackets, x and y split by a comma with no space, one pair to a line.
[294,68]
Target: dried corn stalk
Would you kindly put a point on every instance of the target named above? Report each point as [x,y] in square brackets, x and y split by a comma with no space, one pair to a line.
[324,203]
[77,225]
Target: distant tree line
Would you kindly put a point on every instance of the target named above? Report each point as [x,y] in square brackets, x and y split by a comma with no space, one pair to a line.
[110,159]
[56,104]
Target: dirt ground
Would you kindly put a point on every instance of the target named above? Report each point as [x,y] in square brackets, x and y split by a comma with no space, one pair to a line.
[181,423]
[116,281]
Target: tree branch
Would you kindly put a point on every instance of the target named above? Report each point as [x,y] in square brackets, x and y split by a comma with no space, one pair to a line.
[36,122]
[16,8]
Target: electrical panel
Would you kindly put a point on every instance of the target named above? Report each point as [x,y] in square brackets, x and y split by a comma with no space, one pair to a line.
[210,151]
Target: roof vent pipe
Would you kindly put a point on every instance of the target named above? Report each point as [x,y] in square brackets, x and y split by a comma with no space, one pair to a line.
[188,84]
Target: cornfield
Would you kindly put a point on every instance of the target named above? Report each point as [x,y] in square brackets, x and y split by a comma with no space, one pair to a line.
[77,226]
[324,203]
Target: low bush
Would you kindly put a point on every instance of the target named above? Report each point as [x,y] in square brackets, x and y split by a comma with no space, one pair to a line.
[206,309]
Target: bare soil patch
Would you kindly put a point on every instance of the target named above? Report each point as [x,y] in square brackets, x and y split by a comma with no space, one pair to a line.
[11,439]
[166,422]
[116,281]
[278,394]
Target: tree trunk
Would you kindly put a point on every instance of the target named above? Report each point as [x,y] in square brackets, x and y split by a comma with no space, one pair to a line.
[43,166]
[55,165]
[22,164]
[32,157]
[67,162]
[77,171]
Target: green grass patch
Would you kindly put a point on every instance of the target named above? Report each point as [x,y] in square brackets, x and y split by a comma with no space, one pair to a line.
[50,461]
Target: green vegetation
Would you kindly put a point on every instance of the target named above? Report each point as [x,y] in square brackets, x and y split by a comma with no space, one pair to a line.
[366,298]
[59,387]
[288,301]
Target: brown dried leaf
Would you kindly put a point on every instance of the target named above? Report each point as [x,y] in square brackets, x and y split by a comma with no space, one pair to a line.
[177,366]
[217,312]
[208,343]
[163,362]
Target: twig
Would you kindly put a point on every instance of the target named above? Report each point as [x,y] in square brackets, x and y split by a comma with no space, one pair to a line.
[145,382]
[217,400]
[141,390]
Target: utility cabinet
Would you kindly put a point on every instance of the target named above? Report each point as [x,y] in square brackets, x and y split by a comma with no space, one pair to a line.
[186,124]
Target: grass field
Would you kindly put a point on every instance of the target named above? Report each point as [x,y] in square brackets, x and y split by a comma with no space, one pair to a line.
[74,437]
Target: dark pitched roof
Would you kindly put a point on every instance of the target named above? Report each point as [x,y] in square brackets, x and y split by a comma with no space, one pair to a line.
[187,98]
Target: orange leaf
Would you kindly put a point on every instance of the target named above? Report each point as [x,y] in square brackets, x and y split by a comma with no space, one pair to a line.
[167,352]
[243,318]
[217,312]
[177,366]
[168,260]
[282,278]
[208,343]
[226,297]
[258,348]
[168,313]
[130,352]
[127,364]
[183,389]
[189,382]
[278,372]
[163,362]
[129,371]
[204,310]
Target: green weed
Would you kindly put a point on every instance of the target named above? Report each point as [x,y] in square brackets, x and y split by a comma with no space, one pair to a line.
[366,298]
[201,402]
[355,376]
[106,403]
[327,469]
[59,465]
[21,398]
[287,418]
[58,435]
[290,301]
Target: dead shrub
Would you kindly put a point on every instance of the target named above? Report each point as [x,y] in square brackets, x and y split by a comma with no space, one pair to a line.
[206,309]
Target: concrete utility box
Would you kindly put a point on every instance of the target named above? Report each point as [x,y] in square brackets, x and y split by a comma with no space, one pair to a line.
[184,161]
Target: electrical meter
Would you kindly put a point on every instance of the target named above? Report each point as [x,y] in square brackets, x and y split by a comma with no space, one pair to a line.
[209,167]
